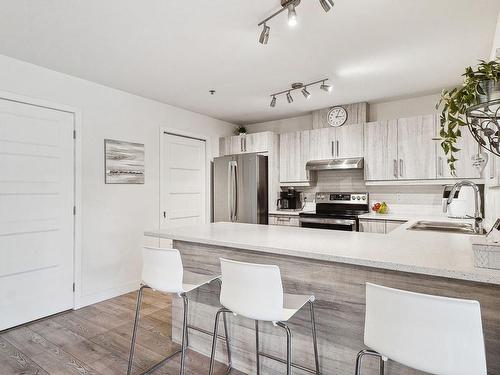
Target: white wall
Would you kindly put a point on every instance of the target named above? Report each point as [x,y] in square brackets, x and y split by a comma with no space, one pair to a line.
[390,110]
[283,125]
[114,216]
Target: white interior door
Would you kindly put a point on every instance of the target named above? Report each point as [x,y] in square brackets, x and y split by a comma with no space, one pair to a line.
[36,212]
[183,186]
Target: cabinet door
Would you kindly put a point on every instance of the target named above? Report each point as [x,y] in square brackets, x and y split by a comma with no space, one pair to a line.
[321,144]
[463,167]
[376,151]
[349,141]
[390,225]
[416,149]
[372,226]
[256,142]
[294,153]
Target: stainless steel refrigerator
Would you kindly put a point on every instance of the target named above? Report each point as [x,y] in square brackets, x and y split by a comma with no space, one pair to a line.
[240,188]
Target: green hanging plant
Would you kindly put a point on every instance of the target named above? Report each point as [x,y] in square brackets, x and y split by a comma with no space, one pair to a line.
[455,102]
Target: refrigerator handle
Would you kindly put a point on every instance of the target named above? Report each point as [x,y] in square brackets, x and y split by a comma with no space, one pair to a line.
[235,210]
[230,189]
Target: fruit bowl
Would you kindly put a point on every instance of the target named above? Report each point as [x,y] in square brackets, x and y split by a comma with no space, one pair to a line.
[380,208]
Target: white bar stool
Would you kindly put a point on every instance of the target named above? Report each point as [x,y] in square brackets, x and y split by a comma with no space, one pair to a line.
[255,291]
[438,335]
[162,271]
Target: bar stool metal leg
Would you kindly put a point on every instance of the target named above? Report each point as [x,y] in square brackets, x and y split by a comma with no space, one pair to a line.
[136,323]
[184,333]
[214,342]
[288,347]
[228,346]
[314,336]
[372,353]
[257,355]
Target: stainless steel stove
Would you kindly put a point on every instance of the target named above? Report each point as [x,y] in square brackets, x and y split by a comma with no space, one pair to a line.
[336,211]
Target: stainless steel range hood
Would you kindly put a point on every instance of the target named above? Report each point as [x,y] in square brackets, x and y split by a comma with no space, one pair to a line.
[335,164]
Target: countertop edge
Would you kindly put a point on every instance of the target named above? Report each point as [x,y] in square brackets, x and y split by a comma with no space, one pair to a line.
[458,275]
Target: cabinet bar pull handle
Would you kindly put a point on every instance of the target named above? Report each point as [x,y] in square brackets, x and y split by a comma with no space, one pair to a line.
[401,167]
[338,148]
[395,168]
[333,149]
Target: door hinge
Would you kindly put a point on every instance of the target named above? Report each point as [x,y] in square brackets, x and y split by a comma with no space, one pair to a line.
[74,210]
[74,134]
[74,287]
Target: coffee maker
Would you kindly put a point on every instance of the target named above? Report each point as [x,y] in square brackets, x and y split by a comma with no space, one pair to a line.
[289,200]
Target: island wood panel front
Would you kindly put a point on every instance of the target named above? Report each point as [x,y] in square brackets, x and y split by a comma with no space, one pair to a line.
[340,307]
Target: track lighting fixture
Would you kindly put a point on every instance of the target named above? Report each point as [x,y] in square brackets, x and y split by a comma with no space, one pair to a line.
[303,89]
[273,102]
[325,87]
[289,5]
[326,4]
[264,35]
[292,15]
[306,93]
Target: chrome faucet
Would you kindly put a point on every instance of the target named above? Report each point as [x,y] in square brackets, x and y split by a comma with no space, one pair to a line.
[478,218]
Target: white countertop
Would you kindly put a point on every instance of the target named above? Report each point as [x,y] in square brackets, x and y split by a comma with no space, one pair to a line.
[423,252]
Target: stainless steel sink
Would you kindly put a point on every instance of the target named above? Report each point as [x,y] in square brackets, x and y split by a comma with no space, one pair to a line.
[448,227]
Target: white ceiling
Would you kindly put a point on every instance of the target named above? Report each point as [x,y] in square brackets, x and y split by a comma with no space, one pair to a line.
[175,51]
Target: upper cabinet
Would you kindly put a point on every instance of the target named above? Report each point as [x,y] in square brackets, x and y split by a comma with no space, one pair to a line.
[240,144]
[343,142]
[416,150]
[406,149]
[400,149]
[294,154]
[348,141]
[463,166]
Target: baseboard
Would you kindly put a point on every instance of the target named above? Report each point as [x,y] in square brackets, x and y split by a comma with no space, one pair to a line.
[91,298]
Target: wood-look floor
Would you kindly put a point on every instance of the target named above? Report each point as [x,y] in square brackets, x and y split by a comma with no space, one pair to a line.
[95,340]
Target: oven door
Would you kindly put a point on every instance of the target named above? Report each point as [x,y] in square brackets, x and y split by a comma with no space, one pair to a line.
[349,225]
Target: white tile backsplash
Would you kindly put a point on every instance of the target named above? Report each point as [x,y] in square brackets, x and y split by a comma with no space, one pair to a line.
[426,199]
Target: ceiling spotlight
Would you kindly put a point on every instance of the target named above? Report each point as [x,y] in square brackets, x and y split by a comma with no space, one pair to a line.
[292,15]
[264,35]
[306,93]
[289,97]
[273,102]
[325,87]
[326,4]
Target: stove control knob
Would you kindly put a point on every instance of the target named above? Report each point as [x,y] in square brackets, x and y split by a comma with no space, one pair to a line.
[359,198]
[353,198]
[363,197]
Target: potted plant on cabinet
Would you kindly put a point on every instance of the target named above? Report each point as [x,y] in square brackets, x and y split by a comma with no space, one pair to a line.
[241,130]
[480,86]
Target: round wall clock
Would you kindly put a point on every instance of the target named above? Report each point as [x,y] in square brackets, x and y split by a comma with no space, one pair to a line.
[337,116]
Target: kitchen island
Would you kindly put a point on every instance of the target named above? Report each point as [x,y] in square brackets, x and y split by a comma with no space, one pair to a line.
[334,266]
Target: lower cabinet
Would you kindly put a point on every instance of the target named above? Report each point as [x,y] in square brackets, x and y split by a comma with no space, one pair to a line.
[378,226]
[284,220]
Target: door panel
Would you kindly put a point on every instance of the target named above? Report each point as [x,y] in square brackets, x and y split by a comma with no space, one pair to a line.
[221,188]
[416,149]
[36,212]
[246,175]
[468,146]
[376,151]
[184,181]
[349,141]
[321,144]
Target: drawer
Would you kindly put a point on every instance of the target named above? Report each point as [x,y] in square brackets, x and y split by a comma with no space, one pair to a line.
[284,220]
